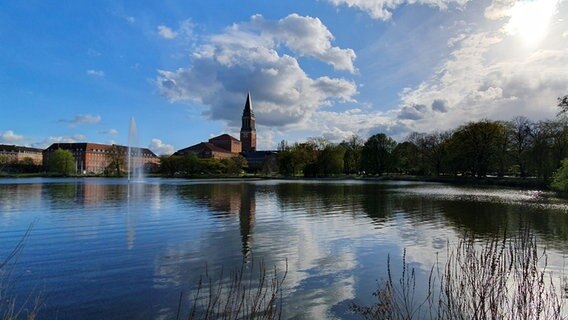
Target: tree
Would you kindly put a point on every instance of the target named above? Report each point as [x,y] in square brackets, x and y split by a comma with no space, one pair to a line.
[560,181]
[521,140]
[378,154]
[352,158]
[116,160]
[406,158]
[169,165]
[475,147]
[62,162]
[4,162]
[330,160]
[563,105]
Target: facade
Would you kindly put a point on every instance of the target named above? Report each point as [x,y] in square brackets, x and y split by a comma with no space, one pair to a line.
[18,153]
[207,150]
[227,142]
[248,128]
[94,158]
[226,146]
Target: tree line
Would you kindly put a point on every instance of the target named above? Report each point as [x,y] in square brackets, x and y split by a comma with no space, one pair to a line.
[191,165]
[520,147]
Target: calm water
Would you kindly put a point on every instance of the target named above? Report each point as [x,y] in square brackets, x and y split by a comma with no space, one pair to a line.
[103,249]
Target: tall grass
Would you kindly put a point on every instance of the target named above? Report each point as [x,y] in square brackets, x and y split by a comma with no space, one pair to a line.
[499,279]
[10,307]
[248,294]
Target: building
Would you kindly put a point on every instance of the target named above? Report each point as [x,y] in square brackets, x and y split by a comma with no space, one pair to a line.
[207,150]
[15,154]
[248,127]
[227,142]
[94,158]
[226,146]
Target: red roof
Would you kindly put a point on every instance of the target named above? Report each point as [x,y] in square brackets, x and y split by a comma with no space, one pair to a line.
[225,137]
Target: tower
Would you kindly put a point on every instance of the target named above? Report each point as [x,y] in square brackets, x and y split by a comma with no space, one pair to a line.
[248,129]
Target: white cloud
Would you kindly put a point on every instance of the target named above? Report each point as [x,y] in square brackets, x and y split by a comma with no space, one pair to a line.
[491,75]
[110,132]
[130,19]
[166,33]
[306,36]
[158,147]
[83,119]
[60,139]
[184,30]
[95,73]
[10,137]
[245,57]
[383,9]
[499,9]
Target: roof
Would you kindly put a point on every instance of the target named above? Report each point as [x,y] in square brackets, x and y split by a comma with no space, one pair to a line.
[248,106]
[225,137]
[200,147]
[14,148]
[90,146]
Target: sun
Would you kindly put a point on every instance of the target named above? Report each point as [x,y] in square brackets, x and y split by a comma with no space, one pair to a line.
[530,19]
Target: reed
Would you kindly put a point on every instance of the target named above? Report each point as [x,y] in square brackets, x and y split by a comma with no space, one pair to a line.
[502,278]
[10,307]
[249,294]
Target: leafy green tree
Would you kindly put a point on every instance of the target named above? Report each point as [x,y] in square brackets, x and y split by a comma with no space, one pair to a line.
[61,162]
[190,164]
[560,181]
[378,154]
[352,159]
[169,165]
[330,160]
[4,162]
[234,165]
[116,161]
[474,147]
[406,158]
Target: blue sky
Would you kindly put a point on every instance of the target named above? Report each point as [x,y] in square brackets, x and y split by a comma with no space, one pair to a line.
[75,71]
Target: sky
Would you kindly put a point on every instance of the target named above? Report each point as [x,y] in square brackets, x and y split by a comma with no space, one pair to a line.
[78,71]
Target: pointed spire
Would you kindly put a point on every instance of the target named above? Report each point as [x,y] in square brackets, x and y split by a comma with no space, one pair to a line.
[248,105]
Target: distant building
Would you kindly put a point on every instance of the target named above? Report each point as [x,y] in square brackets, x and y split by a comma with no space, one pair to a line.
[227,142]
[226,146]
[248,127]
[18,153]
[207,150]
[94,158]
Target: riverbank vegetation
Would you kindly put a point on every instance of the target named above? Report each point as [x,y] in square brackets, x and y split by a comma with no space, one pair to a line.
[248,293]
[517,148]
[499,279]
[10,307]
[192,166]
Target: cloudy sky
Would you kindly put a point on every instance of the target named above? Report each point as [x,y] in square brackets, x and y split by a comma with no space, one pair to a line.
[78,71]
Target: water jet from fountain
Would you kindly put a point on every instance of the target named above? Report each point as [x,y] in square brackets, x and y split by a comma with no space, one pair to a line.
[135,160]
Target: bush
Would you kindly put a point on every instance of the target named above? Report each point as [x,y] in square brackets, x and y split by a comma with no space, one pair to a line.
[560,181]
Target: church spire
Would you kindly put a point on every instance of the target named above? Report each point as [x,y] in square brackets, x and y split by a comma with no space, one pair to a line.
[248,106]
[248,128]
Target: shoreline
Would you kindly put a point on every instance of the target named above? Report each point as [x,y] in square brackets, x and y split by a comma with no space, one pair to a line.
[512,182]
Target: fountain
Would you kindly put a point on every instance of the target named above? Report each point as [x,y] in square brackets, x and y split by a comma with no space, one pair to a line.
[135,161]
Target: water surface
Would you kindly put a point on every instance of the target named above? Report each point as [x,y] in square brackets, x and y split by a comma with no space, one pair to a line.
[104,249]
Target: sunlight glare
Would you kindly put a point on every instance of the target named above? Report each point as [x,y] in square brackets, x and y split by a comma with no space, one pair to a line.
[530,19]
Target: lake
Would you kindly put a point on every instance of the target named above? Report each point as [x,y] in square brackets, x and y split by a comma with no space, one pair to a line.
[106,249]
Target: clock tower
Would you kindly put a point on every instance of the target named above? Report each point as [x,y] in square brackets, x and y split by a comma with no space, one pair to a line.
[248,128]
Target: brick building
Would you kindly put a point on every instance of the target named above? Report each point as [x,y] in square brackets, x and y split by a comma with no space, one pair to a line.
[17,154]
[94,158]
[227,146]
